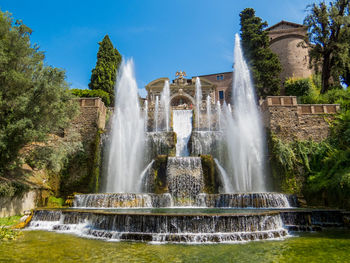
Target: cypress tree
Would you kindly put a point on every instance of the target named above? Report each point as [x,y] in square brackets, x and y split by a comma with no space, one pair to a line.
[264,64]
[104,74]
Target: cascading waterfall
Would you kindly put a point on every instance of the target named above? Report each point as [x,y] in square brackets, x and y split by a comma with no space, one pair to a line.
[165,102]
[182,125]
[128,135]
[198,102]
[156,114]
[244,131]
[185,178]
[209,112]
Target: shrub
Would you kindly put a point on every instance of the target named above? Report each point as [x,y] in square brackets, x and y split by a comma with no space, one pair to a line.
[92,93]
[55,202]
[297,87]
[11,189]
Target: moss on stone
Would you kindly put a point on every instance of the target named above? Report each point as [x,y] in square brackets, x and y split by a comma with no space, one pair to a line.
[172,151]
[96,163]
[159,167]
[211,185]
[82,174]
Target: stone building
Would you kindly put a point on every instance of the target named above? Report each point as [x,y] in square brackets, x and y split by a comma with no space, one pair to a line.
[287,40]
[182,91]
[223,84]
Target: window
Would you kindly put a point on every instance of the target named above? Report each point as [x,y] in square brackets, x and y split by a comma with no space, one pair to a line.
[217,77]
[221,77]
[221,94]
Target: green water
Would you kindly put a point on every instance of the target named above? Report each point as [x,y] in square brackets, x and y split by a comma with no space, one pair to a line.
[40,246]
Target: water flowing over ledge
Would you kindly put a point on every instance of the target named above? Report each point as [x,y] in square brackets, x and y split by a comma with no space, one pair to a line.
[129,200]
[162,227]
[194,227]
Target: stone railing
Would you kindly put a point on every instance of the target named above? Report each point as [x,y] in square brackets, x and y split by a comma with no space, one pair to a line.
[318,108]
[98,106]
[93,102]
[291,101]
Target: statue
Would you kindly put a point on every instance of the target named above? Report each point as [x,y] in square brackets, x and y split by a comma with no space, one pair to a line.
[180,77]
[180,74]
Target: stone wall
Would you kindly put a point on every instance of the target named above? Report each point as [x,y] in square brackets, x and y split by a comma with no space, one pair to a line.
[17,205]
[84,169]
[92,117]
[290,121]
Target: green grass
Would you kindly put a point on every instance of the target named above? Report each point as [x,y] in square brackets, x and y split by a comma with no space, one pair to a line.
[10,221]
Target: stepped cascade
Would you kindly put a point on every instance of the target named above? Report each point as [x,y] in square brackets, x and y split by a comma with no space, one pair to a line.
[185,167]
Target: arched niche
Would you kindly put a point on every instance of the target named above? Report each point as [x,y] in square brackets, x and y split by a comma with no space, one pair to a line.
[180,99]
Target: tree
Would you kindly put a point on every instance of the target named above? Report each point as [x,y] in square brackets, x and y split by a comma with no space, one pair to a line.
[34,98]
[328,28]
[264,64]
[104,74]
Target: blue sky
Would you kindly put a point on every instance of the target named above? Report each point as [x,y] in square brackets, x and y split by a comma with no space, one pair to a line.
[161,36]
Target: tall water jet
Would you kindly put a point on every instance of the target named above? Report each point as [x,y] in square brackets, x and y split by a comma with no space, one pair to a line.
[146,115]
[244,132]
[165,102]
[156,114]
[218,114]
[182,124]
[198,102]
[209,112]
[127,143]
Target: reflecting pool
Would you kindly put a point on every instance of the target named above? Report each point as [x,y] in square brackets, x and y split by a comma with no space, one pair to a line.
[41,246]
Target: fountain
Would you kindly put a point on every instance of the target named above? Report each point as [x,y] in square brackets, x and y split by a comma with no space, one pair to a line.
[244,131]
[198,102]
[156,114]
[218,110]
[127,139]
[183,128]
[165,100]
[209,112]
[191,193]
[146,114]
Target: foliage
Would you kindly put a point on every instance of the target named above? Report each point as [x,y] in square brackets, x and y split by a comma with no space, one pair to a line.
[82,171]
[95,164]
[5,232]
[104,74]
[54,155]
[208,166]
[159,168]
[34,98]
[85,93]
[55,202]
[320,170]
[328,28]
[297,87]
[8,234]
[10,220]
[265,64]
[12,188]
[333,96]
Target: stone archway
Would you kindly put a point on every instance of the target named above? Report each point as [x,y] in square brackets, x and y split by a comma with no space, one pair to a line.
[181,99]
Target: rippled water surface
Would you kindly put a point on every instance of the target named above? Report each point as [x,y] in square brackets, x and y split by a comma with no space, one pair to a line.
[40,246]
